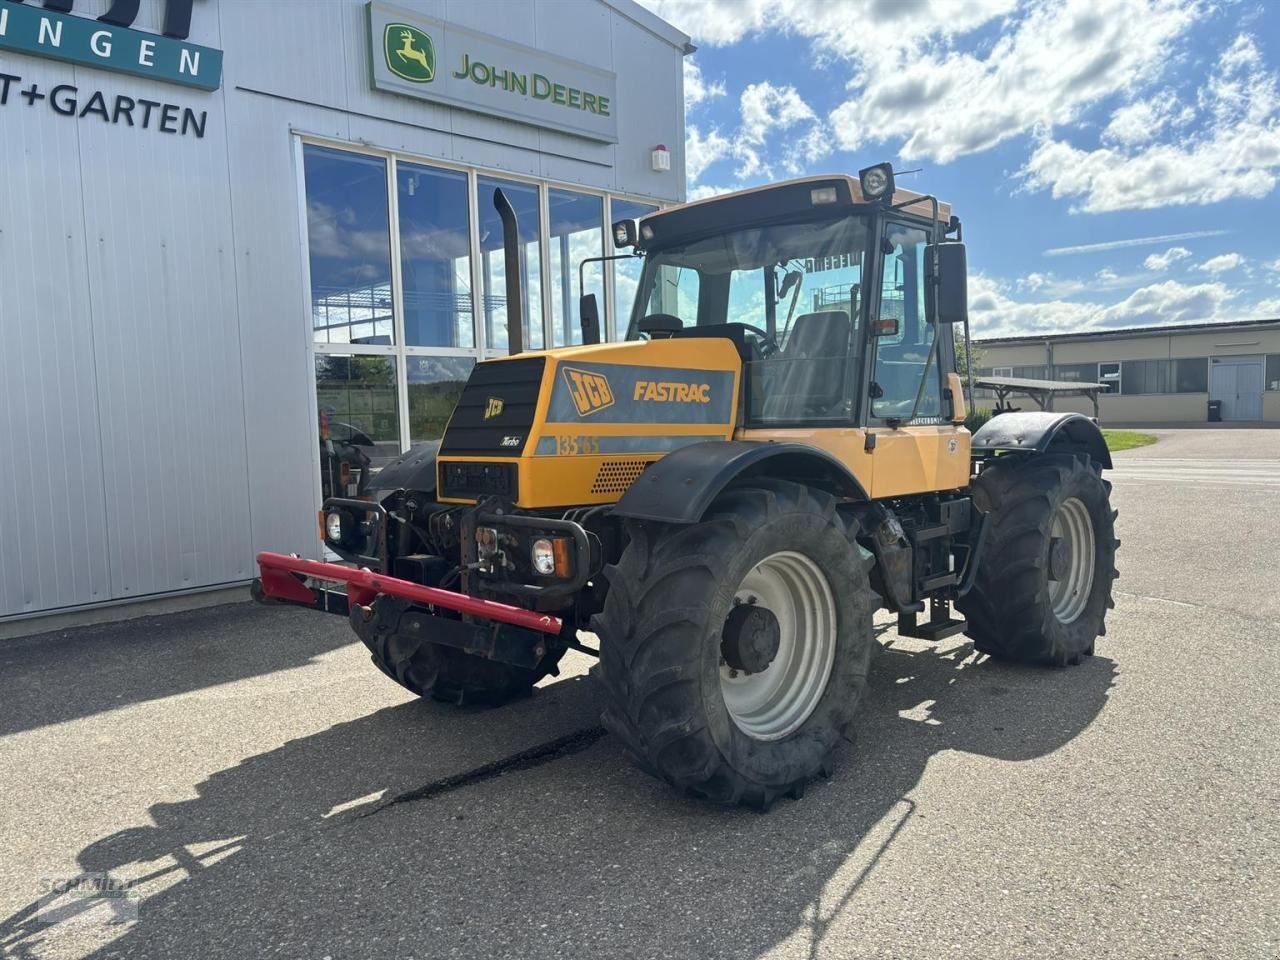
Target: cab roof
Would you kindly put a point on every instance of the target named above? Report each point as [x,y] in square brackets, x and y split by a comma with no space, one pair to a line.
[786,200]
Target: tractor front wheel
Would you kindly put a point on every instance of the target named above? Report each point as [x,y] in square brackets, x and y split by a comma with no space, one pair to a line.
[734,651]
[1043,584]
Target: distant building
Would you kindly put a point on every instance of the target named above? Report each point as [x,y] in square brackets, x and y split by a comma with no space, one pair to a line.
[1155,374]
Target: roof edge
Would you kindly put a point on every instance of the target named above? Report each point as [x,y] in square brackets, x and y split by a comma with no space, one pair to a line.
[648,20]
[1130,332]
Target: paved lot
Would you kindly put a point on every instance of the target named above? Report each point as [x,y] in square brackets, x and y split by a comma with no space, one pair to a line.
[265,785]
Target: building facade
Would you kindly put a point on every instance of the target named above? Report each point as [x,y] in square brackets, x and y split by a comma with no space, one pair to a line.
[1155,375]
[229,225]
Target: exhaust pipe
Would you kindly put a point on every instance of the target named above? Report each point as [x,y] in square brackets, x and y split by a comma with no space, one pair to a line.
[511,256]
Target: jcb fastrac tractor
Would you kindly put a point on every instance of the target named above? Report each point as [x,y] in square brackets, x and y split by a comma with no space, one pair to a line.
[725,499]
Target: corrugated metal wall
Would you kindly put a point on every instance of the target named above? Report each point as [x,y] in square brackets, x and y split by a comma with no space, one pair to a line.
[156,388]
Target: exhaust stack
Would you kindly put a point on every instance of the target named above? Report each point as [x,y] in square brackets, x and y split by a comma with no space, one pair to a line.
[511,257]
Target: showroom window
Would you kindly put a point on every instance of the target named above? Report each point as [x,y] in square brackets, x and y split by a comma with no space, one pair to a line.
[577,232]
[524,198]
[435,256]
[408,291]
[349,238]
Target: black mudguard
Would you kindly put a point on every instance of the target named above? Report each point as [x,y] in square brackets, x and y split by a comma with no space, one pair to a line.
[680,487]
[1041,432]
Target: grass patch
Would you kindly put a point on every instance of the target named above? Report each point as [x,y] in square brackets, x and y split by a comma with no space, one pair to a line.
[1126,439]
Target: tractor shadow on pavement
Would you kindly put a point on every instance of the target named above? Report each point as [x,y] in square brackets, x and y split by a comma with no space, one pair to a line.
[134,661]
[573,854]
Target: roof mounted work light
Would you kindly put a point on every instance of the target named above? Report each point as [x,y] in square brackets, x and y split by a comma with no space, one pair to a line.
[877,183]
[624,234]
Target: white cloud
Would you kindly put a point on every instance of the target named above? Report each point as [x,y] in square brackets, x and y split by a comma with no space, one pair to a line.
[1144,120]
[767,109]
[1163,261]
[995,312]
[1134,242]
[702,150]
[1237,154]
[708,190]
[1266,309]
[1273,265]
[1221,263]
[696,87]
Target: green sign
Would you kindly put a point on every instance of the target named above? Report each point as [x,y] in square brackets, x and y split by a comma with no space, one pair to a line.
[92,43]
[410,53]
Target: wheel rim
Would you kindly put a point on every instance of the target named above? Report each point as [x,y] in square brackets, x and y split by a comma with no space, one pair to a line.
[777,700]
[1072,537]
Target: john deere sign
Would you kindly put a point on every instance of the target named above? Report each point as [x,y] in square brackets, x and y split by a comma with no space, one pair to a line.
[110,43]
[421,57]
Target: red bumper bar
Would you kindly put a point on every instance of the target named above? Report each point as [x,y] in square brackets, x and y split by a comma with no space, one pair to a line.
[280,580]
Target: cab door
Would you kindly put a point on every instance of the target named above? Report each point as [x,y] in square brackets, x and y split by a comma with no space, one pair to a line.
[916,449]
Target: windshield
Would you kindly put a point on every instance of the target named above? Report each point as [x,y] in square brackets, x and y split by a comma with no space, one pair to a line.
[797,286]
[766,277]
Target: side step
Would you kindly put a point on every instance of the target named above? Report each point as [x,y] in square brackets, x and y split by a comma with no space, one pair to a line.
[939,626]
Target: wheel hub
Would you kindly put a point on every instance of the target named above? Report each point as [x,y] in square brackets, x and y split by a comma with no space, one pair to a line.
[1059,558]
[752,636]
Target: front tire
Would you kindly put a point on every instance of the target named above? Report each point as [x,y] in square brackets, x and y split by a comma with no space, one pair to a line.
[725,702]
[447,674]
[1043,585]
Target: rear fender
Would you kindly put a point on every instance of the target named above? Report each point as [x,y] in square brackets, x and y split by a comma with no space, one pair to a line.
[1039,431]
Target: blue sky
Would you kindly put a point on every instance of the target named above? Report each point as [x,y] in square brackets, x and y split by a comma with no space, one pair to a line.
[1061,130]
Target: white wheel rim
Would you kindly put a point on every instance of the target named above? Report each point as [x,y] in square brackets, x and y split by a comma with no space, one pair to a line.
[1070,593]
[777,700]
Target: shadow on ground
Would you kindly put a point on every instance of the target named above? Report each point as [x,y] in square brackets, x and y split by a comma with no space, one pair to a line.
[573,853]
[134,661]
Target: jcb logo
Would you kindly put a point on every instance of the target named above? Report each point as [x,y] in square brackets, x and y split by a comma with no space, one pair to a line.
[590,391]
[493,408]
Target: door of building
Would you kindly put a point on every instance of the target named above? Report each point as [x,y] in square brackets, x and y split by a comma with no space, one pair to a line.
[1237,382]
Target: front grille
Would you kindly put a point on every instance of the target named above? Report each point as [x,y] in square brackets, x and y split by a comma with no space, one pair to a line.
[469,481]
[494,415]
[617,476]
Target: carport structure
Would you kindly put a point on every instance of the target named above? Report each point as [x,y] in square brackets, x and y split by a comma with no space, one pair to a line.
[1042,392]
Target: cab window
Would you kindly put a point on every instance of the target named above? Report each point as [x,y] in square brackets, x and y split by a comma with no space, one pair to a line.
[905,377]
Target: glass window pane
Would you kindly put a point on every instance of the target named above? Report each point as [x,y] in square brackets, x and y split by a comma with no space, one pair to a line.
[1273,371]
[675,293]
[1192,375]
[359,420]
[1076,372]
[576,233]
[349,238]
[626,273]
[435,384]
[435,256]
[904,370]
[493,303]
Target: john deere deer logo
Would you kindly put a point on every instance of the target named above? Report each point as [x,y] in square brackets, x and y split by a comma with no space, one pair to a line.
[410,53]
[590,391]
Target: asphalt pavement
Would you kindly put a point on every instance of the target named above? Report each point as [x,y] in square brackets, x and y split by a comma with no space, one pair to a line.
[266,792]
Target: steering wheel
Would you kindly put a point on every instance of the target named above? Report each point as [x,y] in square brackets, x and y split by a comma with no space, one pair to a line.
[768,344]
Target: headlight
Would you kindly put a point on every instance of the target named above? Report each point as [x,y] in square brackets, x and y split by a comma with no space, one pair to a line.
[333,526]
[543,557]
[877,183]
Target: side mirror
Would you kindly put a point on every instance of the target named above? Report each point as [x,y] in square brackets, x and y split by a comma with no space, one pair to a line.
[950,282]
[589,314]
[625,234]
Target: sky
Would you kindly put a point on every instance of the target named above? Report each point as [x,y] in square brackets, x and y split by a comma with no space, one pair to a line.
[1114,162]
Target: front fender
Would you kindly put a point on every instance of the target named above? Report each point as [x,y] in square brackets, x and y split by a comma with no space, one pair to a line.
[1042,432]
[681,486]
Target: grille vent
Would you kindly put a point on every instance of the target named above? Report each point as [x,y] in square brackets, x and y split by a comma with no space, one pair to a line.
[618,475]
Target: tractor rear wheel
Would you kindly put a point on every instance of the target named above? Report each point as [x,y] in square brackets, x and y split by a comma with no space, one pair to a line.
[734,651]
[1043,585]
[450,675]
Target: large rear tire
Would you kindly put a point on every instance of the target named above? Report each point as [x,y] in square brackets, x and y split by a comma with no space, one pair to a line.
[1043,584]
[734,652]
[452,676]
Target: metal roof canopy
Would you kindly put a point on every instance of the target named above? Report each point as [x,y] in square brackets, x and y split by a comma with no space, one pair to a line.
[1041,391]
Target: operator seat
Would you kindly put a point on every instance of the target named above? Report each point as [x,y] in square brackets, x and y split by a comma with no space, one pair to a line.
[810,367]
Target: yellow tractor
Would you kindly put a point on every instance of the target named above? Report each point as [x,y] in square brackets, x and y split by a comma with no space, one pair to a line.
[725,499]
